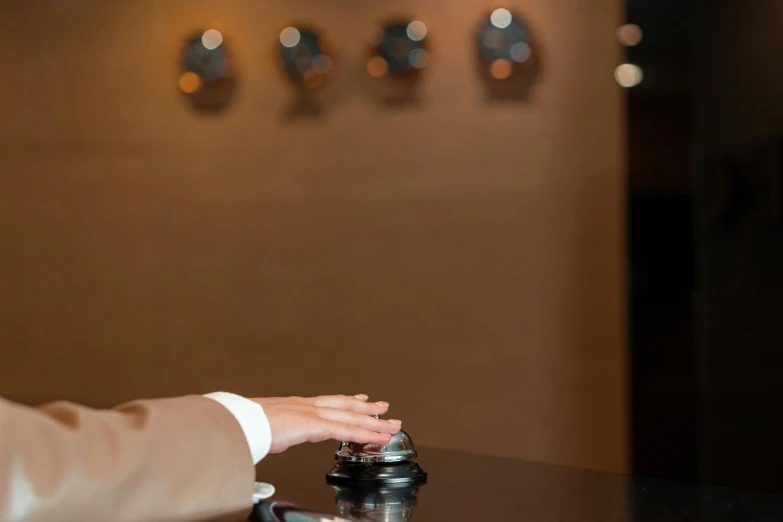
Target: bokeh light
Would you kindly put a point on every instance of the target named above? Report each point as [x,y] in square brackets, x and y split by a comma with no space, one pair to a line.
[290,36]
[628,75]
[501,18]
[322,63]
[212,39]
[630,35]
[377,67]
[417,30]
[500,69]
[312,80]
[189,82]
[520,52]
[419,58]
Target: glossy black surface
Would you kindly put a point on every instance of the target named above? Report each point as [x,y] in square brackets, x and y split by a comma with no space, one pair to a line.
[374,475]
[463,487]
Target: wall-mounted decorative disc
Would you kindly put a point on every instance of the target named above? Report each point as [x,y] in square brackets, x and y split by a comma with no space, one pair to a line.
[504,44]
[400,49]
[208,70]
[306,56]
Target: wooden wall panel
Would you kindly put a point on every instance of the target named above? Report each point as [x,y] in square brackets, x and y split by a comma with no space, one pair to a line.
[461,259]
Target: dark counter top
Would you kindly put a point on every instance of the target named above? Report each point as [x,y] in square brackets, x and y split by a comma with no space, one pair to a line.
[464,487]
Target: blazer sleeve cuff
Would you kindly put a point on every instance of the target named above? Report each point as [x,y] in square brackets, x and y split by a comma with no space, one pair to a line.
[251,418]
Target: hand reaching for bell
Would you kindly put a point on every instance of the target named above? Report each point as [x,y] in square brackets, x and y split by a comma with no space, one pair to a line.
[296,420]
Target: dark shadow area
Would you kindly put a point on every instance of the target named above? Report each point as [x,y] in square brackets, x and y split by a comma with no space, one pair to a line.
[520,89]
[706,243]
[393,93]
[215,97]
[741,256]
[665,412]
[303,107]
[409,98]
[665,408]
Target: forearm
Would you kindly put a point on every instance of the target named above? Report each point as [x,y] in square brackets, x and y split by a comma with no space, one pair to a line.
[173,459]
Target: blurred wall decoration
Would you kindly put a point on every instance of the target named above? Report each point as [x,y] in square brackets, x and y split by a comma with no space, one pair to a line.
[399,49]
[306,56]
[208,72]
[399,53]
[509,59]
[470,253]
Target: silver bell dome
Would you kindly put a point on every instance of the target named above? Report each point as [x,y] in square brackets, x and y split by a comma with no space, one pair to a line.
[398,449]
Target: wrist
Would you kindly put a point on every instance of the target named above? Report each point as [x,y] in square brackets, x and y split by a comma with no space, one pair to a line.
[252,420]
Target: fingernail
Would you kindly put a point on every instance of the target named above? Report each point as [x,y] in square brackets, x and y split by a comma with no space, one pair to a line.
[382,404]
[395,421]
[361,397]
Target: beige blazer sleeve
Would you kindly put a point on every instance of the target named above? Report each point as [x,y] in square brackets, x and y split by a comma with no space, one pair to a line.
[183,459]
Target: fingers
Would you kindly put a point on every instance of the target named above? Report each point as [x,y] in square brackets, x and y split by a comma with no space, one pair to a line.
[356,404]
[295,420]
[357,419]
[344,432]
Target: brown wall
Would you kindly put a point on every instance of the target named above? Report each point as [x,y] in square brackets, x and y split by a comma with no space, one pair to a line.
[460,259]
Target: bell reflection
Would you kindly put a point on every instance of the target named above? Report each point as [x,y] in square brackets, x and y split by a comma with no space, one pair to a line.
[208,73]
[377,482]
[388,504]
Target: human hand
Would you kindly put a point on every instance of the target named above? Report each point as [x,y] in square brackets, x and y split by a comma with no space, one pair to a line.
[295,420]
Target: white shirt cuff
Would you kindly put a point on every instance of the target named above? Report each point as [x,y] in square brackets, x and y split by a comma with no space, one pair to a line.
[251,418]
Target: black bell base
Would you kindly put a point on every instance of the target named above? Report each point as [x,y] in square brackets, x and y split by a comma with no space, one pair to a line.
[376,475]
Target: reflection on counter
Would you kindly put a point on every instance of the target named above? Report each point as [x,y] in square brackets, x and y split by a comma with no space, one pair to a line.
[388,504]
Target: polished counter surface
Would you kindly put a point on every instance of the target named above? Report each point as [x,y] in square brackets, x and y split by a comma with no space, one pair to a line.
[466,487]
